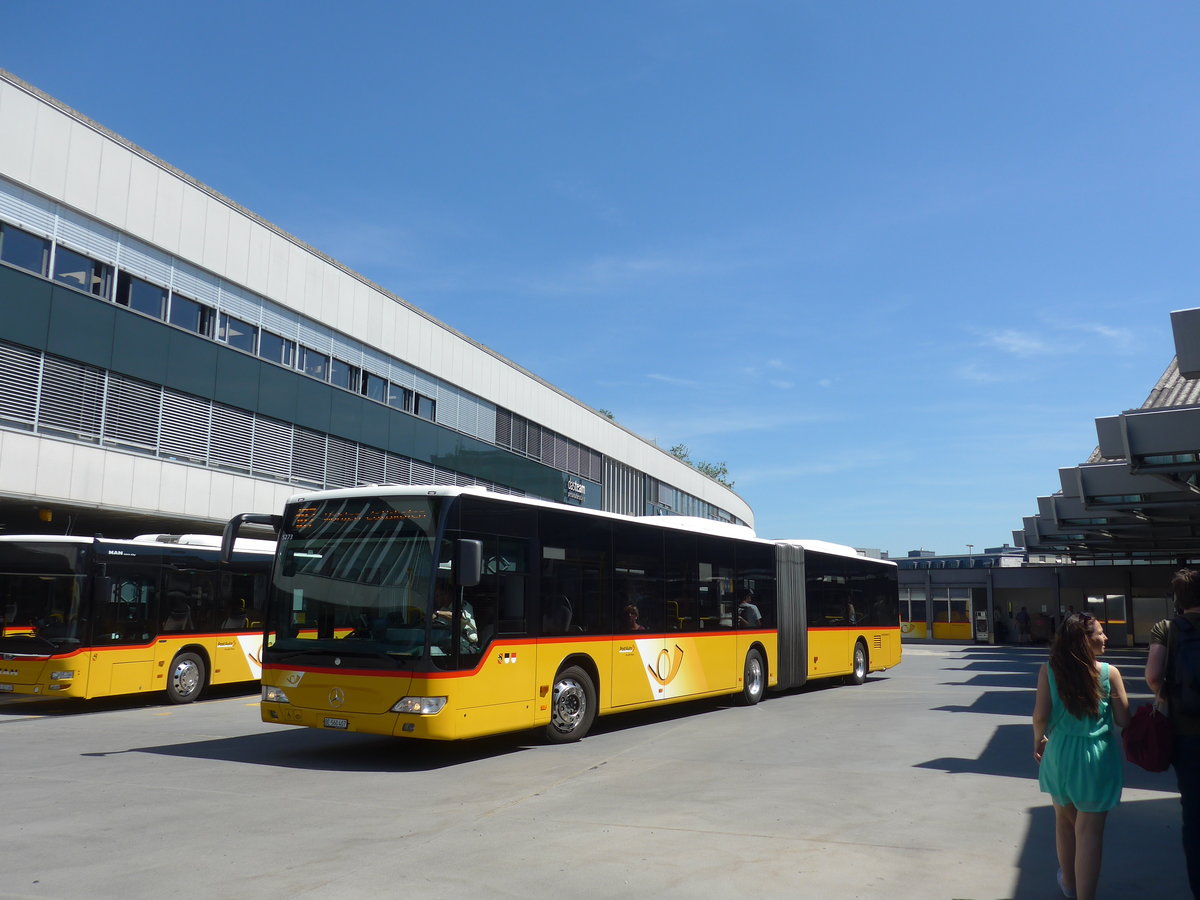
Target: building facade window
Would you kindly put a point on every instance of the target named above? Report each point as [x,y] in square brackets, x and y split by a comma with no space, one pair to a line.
[314,364]
[275,349]
[141,295]
[239,334]
[344,375]
[82,272]
[426,407]
[20,248]
[374,387]
[399,397]
[191,315]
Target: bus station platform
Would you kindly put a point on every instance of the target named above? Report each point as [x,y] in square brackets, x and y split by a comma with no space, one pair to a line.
[918,785]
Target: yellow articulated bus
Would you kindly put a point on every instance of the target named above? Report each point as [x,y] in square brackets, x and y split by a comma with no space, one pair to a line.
[452,613]
[91,617]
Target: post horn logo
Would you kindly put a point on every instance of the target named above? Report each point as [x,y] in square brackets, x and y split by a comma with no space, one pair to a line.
[665,667]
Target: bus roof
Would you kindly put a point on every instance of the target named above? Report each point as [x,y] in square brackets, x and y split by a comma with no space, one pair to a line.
[681,523]
[832,548]
[209,541]
[212,541]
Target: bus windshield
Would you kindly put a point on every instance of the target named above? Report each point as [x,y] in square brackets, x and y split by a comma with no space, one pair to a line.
[41,588]
[354,577]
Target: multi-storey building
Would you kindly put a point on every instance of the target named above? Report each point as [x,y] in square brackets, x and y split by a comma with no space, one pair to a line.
[173,359]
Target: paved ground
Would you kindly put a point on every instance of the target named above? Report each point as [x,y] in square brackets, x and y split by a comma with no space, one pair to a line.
[919,784]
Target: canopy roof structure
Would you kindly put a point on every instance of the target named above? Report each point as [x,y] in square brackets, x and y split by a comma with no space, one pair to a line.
[1137,497]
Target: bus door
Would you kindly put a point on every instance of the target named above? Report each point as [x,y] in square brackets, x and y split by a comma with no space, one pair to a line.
[124,630]
[641,660]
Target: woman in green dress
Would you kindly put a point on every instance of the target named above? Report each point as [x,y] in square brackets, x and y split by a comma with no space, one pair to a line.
[1080,700]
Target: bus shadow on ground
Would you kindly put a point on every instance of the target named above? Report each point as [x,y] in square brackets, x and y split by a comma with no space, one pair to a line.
[54,706]
[316,749]
[313,749]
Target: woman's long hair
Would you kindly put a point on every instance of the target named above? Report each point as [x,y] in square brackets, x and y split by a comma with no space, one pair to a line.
[1073,661]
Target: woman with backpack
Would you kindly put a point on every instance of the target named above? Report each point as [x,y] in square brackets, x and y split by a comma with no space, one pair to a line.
[1175,645]
[1079,701]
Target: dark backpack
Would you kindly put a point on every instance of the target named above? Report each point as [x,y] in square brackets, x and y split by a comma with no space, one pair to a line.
[1185,667]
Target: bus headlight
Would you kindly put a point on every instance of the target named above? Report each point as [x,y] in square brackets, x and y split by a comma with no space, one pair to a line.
[420,706]
[274,695]
[62,676]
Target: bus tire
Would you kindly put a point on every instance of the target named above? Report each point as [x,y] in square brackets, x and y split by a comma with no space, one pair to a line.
[859,673]
[185,678]
[572,706]
[754,679]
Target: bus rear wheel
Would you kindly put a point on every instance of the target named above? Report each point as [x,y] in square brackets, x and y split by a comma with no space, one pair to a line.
[572,706]
[185,680]
[754,679]
[859,673]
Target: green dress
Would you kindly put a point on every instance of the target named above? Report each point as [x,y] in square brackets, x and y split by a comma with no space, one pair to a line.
[1082,765]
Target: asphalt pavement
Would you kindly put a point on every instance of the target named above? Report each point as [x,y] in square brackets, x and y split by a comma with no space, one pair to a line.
[918,784]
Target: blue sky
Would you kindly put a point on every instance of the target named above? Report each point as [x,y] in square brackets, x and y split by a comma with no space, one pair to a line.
[886,261]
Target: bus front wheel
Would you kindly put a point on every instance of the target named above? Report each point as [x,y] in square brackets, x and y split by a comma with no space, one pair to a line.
[859,674]
[754,679]
[573,706]
[185,680]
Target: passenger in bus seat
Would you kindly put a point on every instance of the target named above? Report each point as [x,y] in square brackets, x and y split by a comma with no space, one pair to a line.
[631,619]
[748,613]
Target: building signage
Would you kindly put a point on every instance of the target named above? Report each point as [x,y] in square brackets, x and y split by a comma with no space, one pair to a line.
[576,490]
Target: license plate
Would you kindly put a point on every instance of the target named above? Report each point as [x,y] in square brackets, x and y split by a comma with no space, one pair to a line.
[6,688]
[336,723]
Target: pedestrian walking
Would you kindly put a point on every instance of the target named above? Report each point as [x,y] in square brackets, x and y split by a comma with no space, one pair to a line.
[1079,701]
[1167,642]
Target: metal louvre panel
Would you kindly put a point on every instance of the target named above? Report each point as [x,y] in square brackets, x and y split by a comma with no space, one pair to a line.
[371,468]
[595,468]
[240,304]
[19,389]
[272,454]
[72,399]
[315,336]
[91,238]
[230,445]
[398,469]
[403,375]
[282,321]
[447,408]
[461,480]
[184,428]
[131,413]
[193,283]
[520,432]
[421,473]
[376,363]
[144,261]
[425,384]
[503,427]
[533,441]
[341,463]
[561,455]
[347,350]
[573,458]
[308,457]
[546,450]
[485,420]
[443,476]
[26,210]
